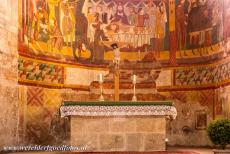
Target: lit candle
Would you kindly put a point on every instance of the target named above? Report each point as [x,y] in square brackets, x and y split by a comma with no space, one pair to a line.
[166,139]
[134,78]
[100,77]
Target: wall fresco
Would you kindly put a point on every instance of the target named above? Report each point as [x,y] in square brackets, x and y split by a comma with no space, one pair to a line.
[81,31]
[42,124]
[206,75]
[50,74]
[85,29]
[42,72]
[200,24]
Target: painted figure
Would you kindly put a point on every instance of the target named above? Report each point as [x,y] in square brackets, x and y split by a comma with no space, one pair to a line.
[98,47]
[30,26]
[193,21]
[181,26]
[160,27]
[82,52]
[141,18]
[110,14]
[105,19]
[56,38]
[132,16]
[120,15]
[90,30]
[217,22]
[152,10]
[99,13]
[227,20]
[81,26]
[208,32]
[42,25]
[67,23]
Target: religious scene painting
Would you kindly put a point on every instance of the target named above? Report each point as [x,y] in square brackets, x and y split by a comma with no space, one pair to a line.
[200,24]
[82,31]
[85,29]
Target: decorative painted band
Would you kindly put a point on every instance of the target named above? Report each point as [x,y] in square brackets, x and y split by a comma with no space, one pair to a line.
[54,75]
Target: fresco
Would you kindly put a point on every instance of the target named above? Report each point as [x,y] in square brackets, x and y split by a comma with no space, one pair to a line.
[201,23]
[36,71]
[43,125]
[82,31]
[205,75]
[226,19]
[85,29]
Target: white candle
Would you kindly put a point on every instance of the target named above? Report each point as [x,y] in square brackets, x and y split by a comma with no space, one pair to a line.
[134,78]
[100,77]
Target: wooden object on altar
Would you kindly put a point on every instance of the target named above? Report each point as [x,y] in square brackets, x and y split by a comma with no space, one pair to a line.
[118,126]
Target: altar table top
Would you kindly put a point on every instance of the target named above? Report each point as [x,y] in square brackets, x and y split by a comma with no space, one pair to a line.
[156,108]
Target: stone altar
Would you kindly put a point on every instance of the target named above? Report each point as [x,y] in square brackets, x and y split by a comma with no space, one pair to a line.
[118,126]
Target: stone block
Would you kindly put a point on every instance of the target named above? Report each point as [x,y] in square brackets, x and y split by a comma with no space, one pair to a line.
[97,124]
[78,124]
[145,124]
[134,142]
[124,124]
[117,126]
[151,124]
[160,125]
[111,142]
[130,125]
[88,140]
[154,141]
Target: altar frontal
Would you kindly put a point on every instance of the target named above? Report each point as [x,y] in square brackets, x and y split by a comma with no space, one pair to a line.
[119,126]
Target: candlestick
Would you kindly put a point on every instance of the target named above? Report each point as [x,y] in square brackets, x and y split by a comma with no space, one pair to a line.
[101,98]
[134,88]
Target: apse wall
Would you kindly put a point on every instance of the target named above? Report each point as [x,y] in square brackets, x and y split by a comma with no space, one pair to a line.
[8,73]
[194,57]
[55,55]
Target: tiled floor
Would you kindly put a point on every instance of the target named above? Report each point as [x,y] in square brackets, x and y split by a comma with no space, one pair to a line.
[176,149]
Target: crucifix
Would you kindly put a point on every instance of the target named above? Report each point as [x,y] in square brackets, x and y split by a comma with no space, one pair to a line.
[116,62]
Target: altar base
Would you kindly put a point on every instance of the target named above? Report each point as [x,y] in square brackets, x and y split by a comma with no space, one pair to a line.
[119,133]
